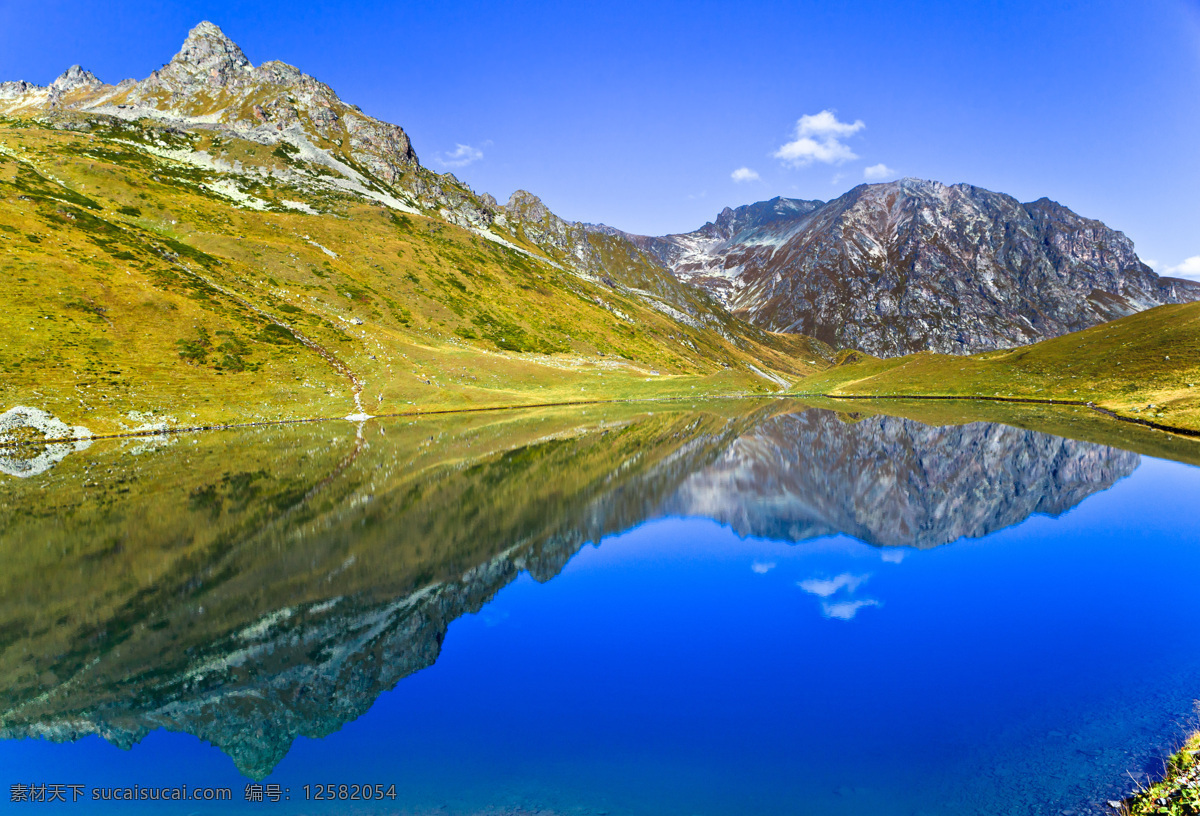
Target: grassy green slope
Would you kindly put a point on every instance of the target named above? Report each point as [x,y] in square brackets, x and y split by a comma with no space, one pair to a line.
[136,290]
[1145,366]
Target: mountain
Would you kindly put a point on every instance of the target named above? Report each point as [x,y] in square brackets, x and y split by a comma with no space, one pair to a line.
[917,265]
[226,243]
[210,82]
[222,242]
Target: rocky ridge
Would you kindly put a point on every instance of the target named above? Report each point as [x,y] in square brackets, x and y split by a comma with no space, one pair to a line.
[610,257]
[888,268]
[210,83]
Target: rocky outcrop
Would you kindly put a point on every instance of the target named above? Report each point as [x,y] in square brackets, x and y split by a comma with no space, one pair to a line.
[211,84]
[526,212]
[918,266]
[616,259]
[12,90]
[73,79]
[207,58]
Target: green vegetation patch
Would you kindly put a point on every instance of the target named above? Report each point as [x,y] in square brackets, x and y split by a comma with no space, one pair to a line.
[277,335]
[1178,794]
[508,336]
[34,185]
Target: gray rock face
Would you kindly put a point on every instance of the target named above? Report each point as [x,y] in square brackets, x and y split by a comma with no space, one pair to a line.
[74,78]
[207,55]
[211,84]
[548,231]
[687,255]
[14,89]
[918,265]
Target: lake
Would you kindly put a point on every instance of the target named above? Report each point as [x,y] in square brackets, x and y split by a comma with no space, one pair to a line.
[729,607]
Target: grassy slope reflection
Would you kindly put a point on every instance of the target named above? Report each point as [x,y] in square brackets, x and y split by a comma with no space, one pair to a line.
[249,587]
[252,586]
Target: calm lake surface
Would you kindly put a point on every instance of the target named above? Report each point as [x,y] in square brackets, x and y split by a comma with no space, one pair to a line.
[728,608]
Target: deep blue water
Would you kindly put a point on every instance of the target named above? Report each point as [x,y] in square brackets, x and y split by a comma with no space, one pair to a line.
[677,667]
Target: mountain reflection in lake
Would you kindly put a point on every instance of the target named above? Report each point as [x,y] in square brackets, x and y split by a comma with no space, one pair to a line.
[252,587]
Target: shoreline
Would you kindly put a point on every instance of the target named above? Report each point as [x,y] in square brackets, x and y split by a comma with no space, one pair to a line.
[1187,433]
[1157,426]
[1177,793]
[365,417]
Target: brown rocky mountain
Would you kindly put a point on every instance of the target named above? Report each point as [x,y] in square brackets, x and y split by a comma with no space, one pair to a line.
[327,148]
[917,265]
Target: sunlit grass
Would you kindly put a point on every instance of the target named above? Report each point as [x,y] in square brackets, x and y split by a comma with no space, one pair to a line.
[1145,366]
[132,287]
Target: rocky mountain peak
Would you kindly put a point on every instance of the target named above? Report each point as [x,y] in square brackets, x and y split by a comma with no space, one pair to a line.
[211,84]
[527,206]
[731,221]
[74,77]
[209,53]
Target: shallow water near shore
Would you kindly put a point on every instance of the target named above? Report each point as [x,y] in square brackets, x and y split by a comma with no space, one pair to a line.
[711,609]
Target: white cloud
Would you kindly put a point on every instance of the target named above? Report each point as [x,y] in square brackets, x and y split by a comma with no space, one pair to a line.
[1190,268]
[878,171]
[826,125]
[1155,265]
[818,139]
[892,556]
[762,567]
[460,157]
[845,610]
[744,174]
[824,587]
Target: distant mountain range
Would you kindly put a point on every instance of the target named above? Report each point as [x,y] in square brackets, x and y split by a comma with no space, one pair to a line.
[916,265]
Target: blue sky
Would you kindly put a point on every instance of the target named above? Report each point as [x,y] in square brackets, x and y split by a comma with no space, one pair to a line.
[639,114]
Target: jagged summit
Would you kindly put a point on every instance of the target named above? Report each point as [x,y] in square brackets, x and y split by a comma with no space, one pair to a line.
[209,53]
[210,84]
[733,220]
[73,78]
[526,204]
[208,37]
